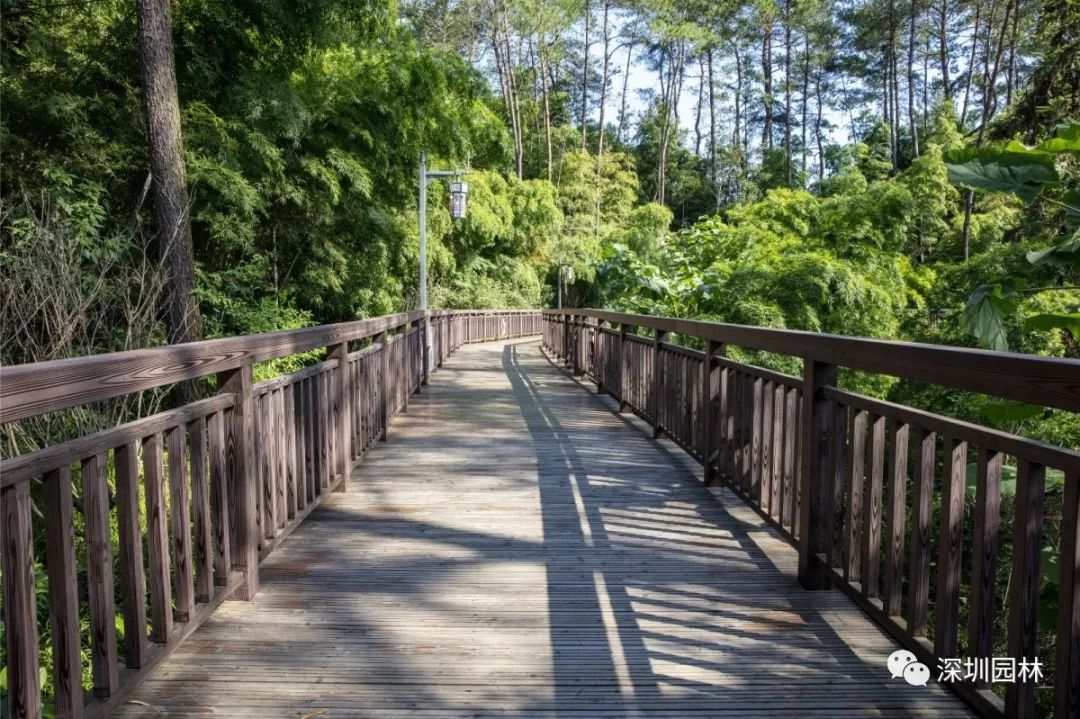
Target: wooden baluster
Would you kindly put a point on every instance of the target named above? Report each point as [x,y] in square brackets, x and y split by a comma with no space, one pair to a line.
[836,478]
[384,383]
[919,568]
[219,495]
[947,598]
[291,429]
[984,553]
[241,460]
[796,516]
[1024,585]
[200,502]
[660,393]
[132,572]
[895,511]
[856,482]
[711,389]
[791,456]
[281,452]
[20,604]
[875,458]
[779,426]
[343,410]
[326,451]
[1067,666]
[817,426]
[99,575]
[259,470]
[184,589]
[63,594]
[768,391]
[311,462]
[625,366]
[757,414]
[157,541]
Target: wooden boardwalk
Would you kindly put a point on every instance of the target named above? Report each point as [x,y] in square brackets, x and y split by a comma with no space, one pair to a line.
[518,549]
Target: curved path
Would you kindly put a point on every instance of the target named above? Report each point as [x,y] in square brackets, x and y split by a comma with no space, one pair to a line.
[519,549]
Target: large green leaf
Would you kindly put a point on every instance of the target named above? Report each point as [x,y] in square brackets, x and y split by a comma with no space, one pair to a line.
[1054,321]
[1064,253]
[984,314]
[1013,169]
[1010,411]
[1066,139]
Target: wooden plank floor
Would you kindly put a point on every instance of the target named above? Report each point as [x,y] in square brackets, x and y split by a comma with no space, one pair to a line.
[517,549]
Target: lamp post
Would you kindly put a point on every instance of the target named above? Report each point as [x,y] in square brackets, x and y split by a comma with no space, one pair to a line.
[459,192]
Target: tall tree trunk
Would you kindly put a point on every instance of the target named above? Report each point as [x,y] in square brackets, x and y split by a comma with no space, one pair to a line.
[926,82]
[547,101]
[738,135]
[603,101]
[990,93]
[990,73]
[625,88]
[712,127]
[515,104]
[585,78]
[789,176]
[766,80]
[1011,78]
[700,105]
[805,101]
[911,79]
[893,90]
[171,210]
[817,126]
[971,65]
[943,49]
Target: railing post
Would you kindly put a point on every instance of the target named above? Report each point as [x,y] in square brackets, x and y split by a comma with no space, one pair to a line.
[816,514]
[20,605]
[624,362]
[342,411]
[576,332]
[241,462]
[657,395]
[709,388]
[597,341]
[384,383]
[1067,678]
[567,338]
[425,344]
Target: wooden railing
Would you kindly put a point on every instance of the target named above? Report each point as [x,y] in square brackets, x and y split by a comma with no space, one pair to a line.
[855,483]
[209,488]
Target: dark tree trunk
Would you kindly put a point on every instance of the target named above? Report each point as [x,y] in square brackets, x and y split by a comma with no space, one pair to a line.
[805,101]
[622,108]
[943,49]
[789,175]
[971,65]
[766,75]
[171,209]
[911,79]
[585,78]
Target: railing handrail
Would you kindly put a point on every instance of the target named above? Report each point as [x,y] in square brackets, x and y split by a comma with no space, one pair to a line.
[27,390]
[1049,381]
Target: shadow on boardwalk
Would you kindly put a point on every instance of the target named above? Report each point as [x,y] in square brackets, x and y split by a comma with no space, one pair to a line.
[517,549]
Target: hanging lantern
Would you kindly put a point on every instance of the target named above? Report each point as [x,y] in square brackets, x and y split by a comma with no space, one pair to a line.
[459,192]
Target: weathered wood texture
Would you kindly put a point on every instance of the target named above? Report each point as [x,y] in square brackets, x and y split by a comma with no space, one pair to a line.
[830,470]
[519,549]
